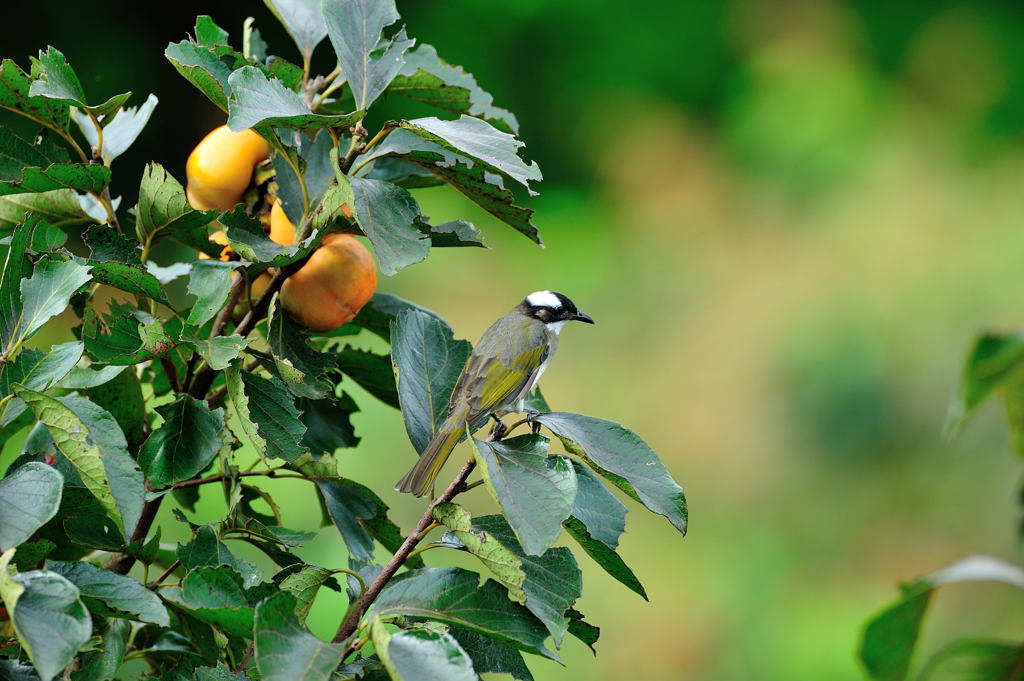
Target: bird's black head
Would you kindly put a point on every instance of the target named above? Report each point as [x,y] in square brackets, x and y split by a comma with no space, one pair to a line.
[552,308]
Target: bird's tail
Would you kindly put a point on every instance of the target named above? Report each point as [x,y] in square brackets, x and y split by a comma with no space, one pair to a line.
[421,476]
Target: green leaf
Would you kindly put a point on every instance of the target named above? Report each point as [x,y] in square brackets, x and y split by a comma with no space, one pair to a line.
[455,596]
[303,20]
[298,363]
[12,670]
[248,239]
[405,174]
[122,397]
[285,650]
[473,179]
[267,413]
[106,244]
[371,371]
[59,207]
[14,95]
[387,215]
[218,351]
[206,549]
[111,594]
[598,520]
[317,167]
[536,494]
[583,630]
[50,620]
[355,28]
[490,656]
[480,141]
[185,444]
[83,379]
[43,166]
[259,100]
[59,81]
[553,580]
[505,565]
[328,423]
[456,233]
[303,584]
[360,516]
[30,497]
[200,66]
[91,439]
[991,361]
[216,595]
[117,338]
[120,133]
[103,663]
[428,362]
[163,209]
[46,294]
[37,370]
[969,660]
[210,282]
[420,654]
[427,78]
[622,456]
[378,315]
[17,267]
[209,33]
[131,278]
[891,636]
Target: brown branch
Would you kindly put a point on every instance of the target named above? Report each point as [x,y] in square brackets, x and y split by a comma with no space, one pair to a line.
[123,563]
[166,573]
[217,478]
[171,371]
[356,612]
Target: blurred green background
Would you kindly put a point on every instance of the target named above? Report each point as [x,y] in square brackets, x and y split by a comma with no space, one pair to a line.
[788,219]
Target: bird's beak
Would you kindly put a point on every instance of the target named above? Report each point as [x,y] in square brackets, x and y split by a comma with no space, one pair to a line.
[581,317]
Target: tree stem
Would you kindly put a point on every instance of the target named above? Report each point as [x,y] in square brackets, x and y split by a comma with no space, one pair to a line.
[351,622]
[123,563]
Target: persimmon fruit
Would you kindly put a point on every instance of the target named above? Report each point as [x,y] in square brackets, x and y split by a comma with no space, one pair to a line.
[220,168]
[329,290]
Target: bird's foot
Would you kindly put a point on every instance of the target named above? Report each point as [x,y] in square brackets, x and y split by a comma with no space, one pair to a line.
[499,430]
[531,418]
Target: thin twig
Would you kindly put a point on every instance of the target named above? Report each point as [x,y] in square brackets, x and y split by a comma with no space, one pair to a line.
[166,573]
[245,659]
[351,621]
[218,478]
[171,371]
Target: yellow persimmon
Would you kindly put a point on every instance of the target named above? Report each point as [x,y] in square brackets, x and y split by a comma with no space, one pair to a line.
[219,237]
[282,230]
[219,169]
[337,280]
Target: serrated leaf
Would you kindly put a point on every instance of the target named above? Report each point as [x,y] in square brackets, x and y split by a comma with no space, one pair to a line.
[131,278]
[427,78]
[209,33]
[59,207]
[200,66]
[247,238]
[317,168]
[82,379]
[480,141]
[50,620]
[622,456]
[371,371]
[106,244]
[304,584]
[91,439]
[475,180]
[428,362]
[420,654]
[45,295]
[388,215]
[113,339]
[608,559]
[30,497]
[267,413]
[535,494]
[120,133]
[103,662]
[57,80]
[17,267]
[111,594]
[553,581]
[216,595]
[257,99]
[890,637]
[122,397]
[455,233]
[328,423]
[285,650]
[210,282]
[205,549]
[163,209]
[218,351]
[298,363]
[185,444]
[303,20]
[42,166]
[490,656]
[355,28]
[14,96]
[455,596]
[583,630]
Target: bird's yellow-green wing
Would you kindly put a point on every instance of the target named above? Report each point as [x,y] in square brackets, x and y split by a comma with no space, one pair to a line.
[488,384]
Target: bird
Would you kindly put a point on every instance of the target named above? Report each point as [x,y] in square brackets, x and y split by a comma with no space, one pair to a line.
[503,368]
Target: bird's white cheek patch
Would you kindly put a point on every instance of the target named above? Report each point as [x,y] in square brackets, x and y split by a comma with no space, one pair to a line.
[544,299]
